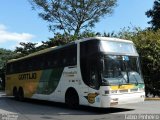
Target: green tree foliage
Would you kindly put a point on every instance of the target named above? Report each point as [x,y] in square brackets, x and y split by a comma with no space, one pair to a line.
[72,16]
[5,55]
[58,40]
[2,78]
[62,39]
[25,49]
[154,14]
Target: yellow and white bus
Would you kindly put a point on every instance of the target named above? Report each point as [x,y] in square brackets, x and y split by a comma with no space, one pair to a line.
[98,72]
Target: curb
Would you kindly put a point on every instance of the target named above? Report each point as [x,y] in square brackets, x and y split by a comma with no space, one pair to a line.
[152,99]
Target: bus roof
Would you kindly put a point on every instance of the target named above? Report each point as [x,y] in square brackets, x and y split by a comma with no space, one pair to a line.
[33,54]
[74,42]
[105,38]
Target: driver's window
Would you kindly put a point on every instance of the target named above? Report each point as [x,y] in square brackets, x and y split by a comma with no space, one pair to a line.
[94,81]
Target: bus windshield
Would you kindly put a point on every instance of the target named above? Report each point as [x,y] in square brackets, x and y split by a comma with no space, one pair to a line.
[120,69]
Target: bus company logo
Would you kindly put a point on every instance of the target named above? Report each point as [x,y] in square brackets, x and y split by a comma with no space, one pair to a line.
[27,76]
[91,97]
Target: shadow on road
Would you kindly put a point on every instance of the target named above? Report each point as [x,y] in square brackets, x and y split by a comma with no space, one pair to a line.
[30,106]
[80,108]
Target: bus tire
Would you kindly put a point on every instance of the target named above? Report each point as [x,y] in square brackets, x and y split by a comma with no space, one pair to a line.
[20,94]
[71,98]
[15,93]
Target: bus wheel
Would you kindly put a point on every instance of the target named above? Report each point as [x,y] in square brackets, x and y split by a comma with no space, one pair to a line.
[20,94]
[72,99]
[15,93]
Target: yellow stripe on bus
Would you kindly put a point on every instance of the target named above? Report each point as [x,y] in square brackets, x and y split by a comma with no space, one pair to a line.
[29,81]
[122,87]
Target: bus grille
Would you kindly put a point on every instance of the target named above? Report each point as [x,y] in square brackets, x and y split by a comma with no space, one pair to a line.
[123,91]
[134,90]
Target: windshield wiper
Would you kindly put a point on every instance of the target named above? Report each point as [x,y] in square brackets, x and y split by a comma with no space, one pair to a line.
[135,79]
[119,81]
[123,77]
[126,69]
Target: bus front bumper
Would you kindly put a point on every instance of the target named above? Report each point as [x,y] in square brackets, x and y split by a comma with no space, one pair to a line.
[114,100]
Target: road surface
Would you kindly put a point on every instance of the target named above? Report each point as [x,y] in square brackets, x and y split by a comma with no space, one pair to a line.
[11,109]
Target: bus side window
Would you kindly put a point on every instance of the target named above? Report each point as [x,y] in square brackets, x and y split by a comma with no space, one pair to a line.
[30,65]
[11,68]
[42,61]
[69,56]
